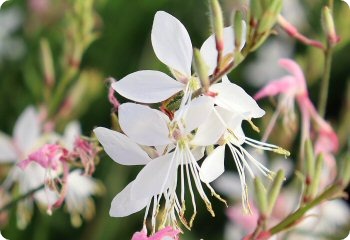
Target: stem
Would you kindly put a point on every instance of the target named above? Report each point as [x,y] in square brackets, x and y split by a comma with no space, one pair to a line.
[297,215]
[322,103]
[21,197]
[60,91]
[293,32]
[216,77]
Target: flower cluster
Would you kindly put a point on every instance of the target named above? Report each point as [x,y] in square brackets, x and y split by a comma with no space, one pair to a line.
[42,158]
[171,138]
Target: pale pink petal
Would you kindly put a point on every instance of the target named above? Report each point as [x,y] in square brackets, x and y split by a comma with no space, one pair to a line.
[27,129]
[208,49]
[120,148]
[7,151]
[282,85]
[147,86]
[144,125]
[123,205]
[167,233]
[297,72]
[247,221]
[213,166]
[142,235]
[171,43]
[233,98]
[155,177]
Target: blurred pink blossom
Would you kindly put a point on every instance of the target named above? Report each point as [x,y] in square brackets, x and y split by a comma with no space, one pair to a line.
[166,233]
[292,88]
[49,156]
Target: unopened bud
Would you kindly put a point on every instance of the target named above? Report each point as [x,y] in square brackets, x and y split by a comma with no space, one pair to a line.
[255,9]
[217,24]
[201,69]
[309,159]
[261,196]
[345,170]
[328,26]
[269,17]
[47,63]
[238,29]
[317,176]
[115,122]
[274,190]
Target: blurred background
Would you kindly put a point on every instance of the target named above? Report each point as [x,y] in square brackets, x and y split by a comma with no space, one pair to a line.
[122,45]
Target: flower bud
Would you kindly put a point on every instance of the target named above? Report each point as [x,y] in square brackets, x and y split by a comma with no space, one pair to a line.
[270,16]
[217,24]
[345,170]
[261,196]
[317,176]
[47,63]
[274,190]
[328,26]
[309,160]
[201,69]
[238,29]
[255,9]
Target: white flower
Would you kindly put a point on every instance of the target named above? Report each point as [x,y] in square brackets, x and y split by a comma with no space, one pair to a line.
[78,199]
[27,137]
[233,136]
[159,178]
[172,45]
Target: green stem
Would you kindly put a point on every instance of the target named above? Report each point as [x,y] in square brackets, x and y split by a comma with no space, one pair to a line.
[322,103]
[20,198]
[60,91]
[298,214]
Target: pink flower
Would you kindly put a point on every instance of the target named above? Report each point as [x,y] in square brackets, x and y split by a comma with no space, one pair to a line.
[49,156]
[87,153]
[163,234]
[292,88]
[245,221]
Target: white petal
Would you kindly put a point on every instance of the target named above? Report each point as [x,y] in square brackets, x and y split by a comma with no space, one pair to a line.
[147,86]
[143,124]
[209,52]
[154,178]
[71,132]
[235,125]
[27,129]
[213,128]
[197,112]
[213,166]
[209,132]
[122,204]
[198,153]
[171,43]
[7,150]
[233,98]
[120,148]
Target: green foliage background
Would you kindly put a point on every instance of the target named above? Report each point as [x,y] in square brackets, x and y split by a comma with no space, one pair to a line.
[124,46]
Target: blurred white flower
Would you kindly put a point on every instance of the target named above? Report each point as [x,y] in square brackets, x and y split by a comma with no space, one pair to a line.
[11,47]
[79,200]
